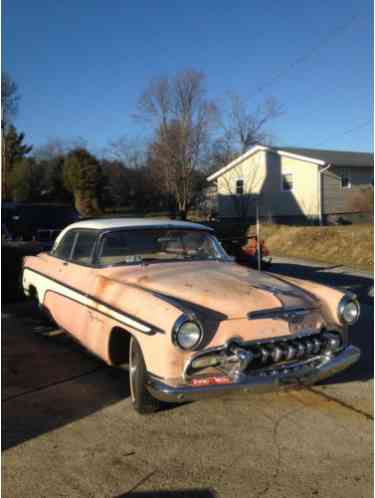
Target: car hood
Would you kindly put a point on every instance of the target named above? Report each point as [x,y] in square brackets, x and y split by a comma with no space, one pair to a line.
[230,290]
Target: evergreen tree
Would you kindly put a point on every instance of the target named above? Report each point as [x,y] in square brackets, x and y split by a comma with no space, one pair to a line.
[14,151]
[82,177]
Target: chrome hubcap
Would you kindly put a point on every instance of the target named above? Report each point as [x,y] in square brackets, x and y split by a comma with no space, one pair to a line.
[132,369]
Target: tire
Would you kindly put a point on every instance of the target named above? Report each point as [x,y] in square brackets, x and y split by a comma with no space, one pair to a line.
[142,400]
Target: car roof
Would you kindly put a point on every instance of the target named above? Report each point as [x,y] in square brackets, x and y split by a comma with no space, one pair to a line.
[108,223]
[104,224]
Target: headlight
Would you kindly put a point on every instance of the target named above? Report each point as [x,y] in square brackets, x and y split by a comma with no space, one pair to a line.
[187,333]
[348,309]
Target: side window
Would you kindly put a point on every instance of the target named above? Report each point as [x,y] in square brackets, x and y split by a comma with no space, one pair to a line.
[239,187]
[287,182]
[84,247]
[64,249]
[345,181]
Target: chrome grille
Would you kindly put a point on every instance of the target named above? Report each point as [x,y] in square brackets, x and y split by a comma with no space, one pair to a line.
[278,352]
[237,357]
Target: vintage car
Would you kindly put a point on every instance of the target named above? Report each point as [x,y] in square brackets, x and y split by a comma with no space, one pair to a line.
[162,299]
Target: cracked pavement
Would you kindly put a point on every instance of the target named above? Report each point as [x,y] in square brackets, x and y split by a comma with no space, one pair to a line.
[69,429]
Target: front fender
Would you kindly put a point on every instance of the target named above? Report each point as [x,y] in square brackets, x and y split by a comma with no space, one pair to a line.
[328,297]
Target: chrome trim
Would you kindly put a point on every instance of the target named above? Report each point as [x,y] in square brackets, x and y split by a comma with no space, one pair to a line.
[226,353]
[314,370]
[281,313]
[347,298]
[186,317]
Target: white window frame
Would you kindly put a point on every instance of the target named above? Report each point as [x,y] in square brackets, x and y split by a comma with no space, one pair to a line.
[282,182]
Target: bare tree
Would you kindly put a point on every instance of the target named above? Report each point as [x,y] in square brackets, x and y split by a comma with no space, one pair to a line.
[243,127]
[56,147]
[9,99]
[182,120]
[129,152]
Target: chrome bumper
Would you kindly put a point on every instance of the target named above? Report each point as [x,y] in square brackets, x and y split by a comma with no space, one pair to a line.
[281,379]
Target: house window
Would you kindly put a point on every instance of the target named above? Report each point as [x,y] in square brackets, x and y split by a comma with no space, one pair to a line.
[287,182]
[345,181]
[239,187]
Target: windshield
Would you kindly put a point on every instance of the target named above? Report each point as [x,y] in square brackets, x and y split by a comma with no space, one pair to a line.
[157,245]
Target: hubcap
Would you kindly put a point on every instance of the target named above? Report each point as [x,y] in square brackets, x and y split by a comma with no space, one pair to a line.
[132,369]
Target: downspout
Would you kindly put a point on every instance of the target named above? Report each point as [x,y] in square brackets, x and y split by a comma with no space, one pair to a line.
[320,171]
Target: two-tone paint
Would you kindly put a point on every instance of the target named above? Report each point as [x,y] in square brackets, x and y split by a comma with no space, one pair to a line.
[102,307]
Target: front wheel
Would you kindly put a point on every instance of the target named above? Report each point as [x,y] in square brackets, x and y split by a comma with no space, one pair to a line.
[142,400]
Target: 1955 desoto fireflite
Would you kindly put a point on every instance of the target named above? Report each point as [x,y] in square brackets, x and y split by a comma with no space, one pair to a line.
[163,299]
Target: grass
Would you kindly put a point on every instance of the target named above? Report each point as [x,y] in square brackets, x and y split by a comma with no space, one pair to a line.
[349,245]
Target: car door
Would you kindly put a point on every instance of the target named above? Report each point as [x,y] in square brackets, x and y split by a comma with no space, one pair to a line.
[69,300]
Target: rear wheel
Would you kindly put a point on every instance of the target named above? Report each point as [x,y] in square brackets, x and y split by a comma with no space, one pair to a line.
[142,400]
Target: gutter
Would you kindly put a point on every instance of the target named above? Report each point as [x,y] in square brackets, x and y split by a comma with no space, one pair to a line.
[320,171]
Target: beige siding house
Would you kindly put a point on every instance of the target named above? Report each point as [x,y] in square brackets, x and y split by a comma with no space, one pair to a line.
[291,182]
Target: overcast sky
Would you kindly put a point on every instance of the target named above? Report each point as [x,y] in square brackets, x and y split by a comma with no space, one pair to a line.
[82,64]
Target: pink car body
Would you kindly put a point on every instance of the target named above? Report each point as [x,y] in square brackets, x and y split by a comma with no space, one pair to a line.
[258,331]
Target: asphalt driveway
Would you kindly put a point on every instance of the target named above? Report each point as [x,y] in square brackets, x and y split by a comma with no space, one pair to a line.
[69,429]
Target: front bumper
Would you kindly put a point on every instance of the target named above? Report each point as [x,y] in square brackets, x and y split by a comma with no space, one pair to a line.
[323,367]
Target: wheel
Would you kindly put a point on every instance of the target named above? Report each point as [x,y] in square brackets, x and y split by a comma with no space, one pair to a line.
[142,400]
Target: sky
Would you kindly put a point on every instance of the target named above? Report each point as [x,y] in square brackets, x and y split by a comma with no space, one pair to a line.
[81,65]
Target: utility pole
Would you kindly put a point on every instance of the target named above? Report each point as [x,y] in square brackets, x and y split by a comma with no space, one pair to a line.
[258,235]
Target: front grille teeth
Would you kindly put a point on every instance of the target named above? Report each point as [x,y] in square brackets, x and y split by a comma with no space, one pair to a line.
[289,350]
[273,355]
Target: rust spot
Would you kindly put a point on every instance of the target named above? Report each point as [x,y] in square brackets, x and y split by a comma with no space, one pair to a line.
[102,283]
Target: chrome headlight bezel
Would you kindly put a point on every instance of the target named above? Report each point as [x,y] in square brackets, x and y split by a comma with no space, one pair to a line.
[177,330]
[344,301]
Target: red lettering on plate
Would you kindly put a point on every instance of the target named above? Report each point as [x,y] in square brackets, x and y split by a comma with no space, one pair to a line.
[211,380]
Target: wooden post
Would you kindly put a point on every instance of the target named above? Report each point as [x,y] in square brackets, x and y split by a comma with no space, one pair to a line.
[258,236]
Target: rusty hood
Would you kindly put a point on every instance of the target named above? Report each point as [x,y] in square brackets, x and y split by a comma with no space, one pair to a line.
[226,288]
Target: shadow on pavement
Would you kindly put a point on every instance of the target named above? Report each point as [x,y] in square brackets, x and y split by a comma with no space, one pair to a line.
[362,333]
[48,380]
[324,275]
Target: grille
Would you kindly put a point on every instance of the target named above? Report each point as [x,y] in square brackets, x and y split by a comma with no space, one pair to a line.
[283,352]
[265,356]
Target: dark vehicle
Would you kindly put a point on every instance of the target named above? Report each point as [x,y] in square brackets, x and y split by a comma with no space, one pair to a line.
[41,222]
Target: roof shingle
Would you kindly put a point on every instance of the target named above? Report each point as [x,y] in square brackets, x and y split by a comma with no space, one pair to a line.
[336,157]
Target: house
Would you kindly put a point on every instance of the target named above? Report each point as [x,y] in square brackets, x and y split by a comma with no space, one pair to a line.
[292,183]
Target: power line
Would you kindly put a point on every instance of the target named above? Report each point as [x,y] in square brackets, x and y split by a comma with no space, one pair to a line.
[313,51]
[347,132]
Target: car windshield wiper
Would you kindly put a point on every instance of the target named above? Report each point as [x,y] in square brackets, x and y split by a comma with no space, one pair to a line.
[150,260]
